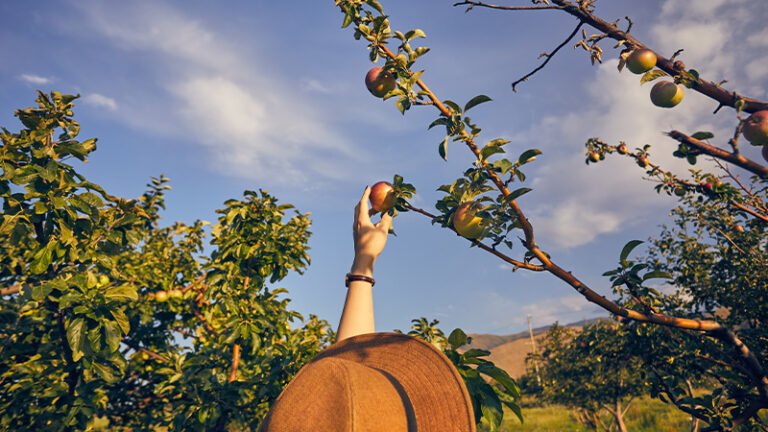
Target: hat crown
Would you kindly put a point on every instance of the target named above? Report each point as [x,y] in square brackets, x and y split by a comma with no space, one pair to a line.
[339,395]
[375,382]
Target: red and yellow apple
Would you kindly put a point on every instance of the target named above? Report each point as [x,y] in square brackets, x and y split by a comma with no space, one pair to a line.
[641,60]
[666,94]
[382,196]
[755,129]
[380,82]
[467,223]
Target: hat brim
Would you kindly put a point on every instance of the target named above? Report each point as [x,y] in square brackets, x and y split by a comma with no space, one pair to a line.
[434,392]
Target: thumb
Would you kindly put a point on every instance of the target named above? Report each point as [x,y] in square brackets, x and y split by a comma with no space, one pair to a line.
[386,222]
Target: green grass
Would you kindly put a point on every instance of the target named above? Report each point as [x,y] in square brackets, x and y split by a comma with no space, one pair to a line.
[645,414]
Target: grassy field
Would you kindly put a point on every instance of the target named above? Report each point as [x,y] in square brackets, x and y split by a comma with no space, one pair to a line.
[644,415]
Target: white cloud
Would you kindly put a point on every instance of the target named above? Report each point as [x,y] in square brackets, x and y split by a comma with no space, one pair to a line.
[35,79]
[254,124]
[313,85]
[100,101]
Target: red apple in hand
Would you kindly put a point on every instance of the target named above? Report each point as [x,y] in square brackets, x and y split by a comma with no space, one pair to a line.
[382,196]
[467,223]
[379,82]
[755,129]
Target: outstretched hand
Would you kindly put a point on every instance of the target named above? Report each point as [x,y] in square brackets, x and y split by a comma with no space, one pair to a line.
[369,238]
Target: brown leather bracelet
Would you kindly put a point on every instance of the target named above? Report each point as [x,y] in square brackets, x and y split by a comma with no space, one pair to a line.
[356,277]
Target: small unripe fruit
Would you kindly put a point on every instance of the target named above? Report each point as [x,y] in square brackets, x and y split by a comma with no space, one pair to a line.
[594,156]
[755,129]
[175,294]
[102,281]
[382,196]
[666,94]
[467,223]
[622,149]
[707,186]
[641,60]
[144,356]
[642,162]
[379,82]
[161,296]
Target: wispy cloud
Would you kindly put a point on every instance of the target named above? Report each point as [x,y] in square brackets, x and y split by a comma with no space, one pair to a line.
[100,101]
[255,124]
[35,79]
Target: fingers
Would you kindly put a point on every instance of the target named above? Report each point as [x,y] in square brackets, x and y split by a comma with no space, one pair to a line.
[385,223]
[361,210]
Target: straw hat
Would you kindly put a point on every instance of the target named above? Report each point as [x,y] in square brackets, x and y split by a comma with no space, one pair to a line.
[387,382]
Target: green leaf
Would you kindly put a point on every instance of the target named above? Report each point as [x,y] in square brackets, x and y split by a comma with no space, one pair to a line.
[457,338]
[75,337]
[490,406]
[490,150]
[628,249]
[112,335]
[453,105]
[703,135]
[475,101]
[502,377]
[443,148]
[528,156]
[105,372]
[122,320]
[43,258]
[515,194]
[439,121]
[121,293]
[415,33]
[657,274]
[652,75]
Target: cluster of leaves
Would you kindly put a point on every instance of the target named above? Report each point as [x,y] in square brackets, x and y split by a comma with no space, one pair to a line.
[85,332]
[591,370]
[489,386]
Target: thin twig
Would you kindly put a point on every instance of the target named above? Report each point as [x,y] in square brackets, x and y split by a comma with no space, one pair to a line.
[548,57]
[471,4]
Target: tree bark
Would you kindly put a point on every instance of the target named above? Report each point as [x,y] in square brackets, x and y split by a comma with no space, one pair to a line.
[618,415]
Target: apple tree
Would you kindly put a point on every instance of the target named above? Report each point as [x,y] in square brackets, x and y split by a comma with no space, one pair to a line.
[592,371]
[485,204]
[108,319]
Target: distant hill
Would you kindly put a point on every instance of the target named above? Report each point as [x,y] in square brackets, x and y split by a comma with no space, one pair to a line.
[509,351]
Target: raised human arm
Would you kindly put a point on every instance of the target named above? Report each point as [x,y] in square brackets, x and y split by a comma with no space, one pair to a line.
[369,239]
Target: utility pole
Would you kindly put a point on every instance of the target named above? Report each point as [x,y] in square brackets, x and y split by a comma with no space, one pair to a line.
[535,352]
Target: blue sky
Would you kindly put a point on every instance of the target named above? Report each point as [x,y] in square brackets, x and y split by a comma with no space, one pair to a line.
[227,96]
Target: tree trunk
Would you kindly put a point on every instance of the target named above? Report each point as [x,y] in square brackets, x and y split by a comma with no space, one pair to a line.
[619,416]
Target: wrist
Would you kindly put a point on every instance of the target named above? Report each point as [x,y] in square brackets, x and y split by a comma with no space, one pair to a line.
[362,266]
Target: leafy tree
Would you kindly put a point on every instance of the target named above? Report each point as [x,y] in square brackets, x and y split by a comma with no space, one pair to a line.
[488,188]
[107,317]
[591,370]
